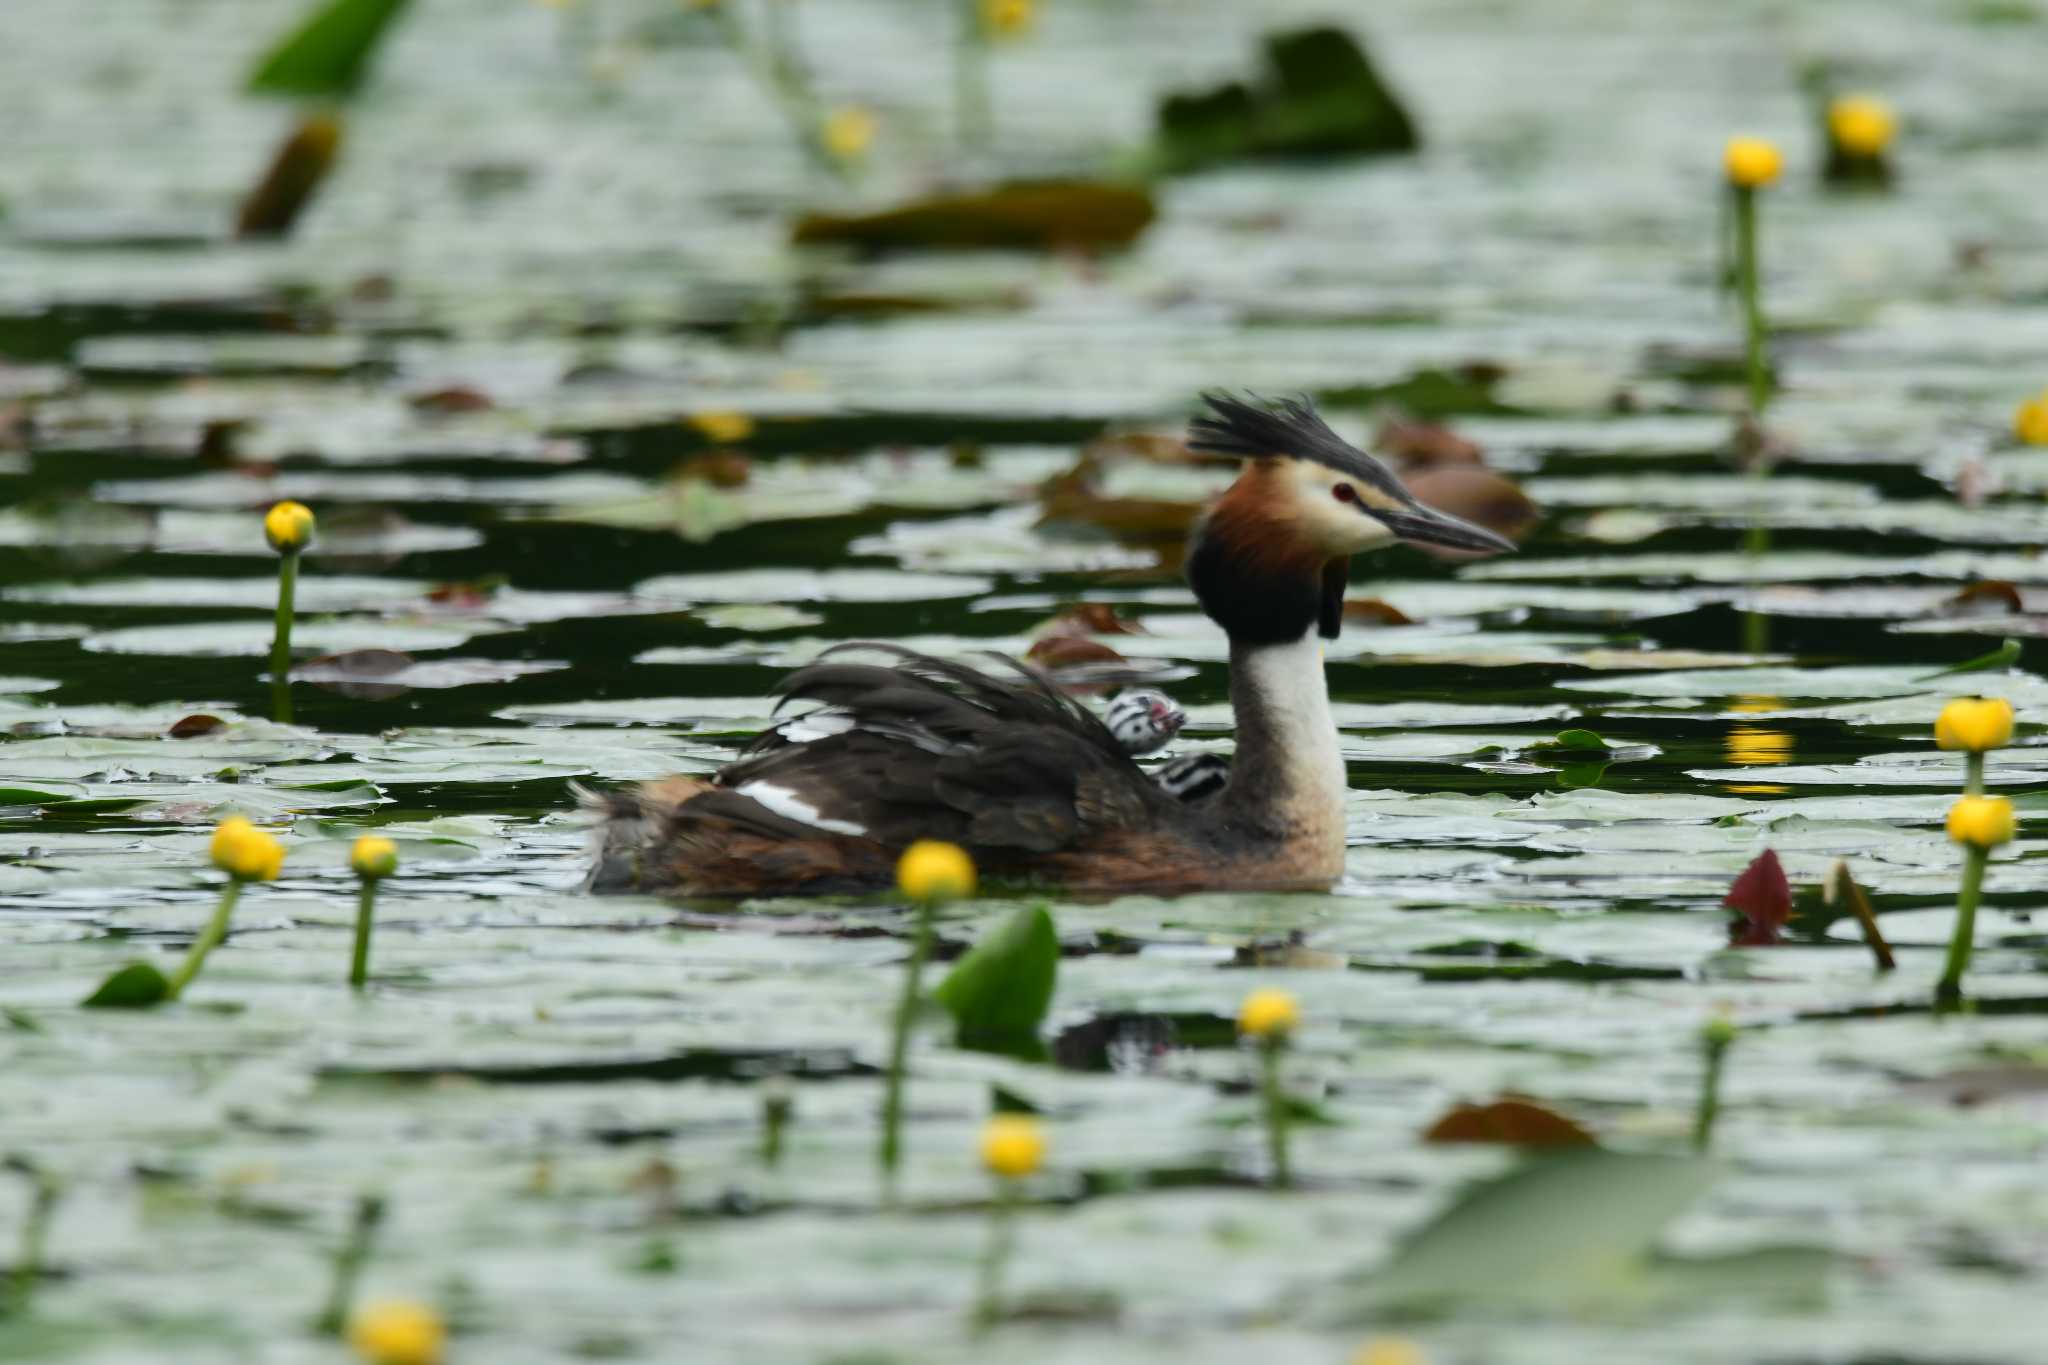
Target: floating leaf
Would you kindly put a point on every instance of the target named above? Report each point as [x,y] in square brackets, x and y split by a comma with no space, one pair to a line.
[1036,216]
[1573,741]
[998,993]
[136,986]
[329,54]
[1763,898]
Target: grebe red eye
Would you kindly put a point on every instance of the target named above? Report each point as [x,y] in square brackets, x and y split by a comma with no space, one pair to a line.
[1344,492]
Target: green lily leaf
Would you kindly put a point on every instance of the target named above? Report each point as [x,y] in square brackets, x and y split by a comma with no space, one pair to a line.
[998,993]
[330,53]
[137,986]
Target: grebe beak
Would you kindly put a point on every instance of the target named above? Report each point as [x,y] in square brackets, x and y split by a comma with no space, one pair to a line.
[1419,525]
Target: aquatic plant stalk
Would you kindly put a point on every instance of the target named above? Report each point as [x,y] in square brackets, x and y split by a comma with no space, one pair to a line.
[1275,1096]
[1973,773]
[1963,939]
[776,1107]
[209,938]
[35,1231]
[972,113]
[1755,362]
[1002,1235]
[366,915]
[1714,1042]
[891,1154]
[281,639]
[349,1259]
[778,73]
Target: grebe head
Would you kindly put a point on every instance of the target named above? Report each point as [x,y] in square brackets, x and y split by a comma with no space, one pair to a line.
[1271,558]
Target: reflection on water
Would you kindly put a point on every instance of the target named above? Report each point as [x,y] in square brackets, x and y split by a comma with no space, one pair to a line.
[1749,746]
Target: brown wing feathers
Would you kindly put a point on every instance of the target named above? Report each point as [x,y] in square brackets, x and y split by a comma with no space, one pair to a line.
[930,749]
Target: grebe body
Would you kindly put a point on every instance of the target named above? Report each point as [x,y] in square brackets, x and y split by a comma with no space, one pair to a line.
[1037,787]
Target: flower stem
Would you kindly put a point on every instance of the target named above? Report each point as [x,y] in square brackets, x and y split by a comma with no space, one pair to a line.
[1716,1047]
[899,1048]
[281,639]
[971,109]
[1276,1109]
[348,1265]
[1752,307]
[1973,773]
[35,1230]
[1949,990]
[988,1299]
[209,938]
[366,914]
[778,74]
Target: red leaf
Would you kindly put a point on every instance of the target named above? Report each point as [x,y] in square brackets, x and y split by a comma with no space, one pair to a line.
[1763,898]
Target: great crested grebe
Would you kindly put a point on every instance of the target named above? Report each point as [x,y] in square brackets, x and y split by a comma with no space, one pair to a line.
[1033,784]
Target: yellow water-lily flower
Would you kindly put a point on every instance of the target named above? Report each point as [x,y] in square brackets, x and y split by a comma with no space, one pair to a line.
[398,1332]
[245,852]
[373,856]
[1751,162]
[1012,1145]
[1982,821]
[934,870]
[1268,1015]
[288,527]
[1974,724]
[1008,18]
[723,425]
[2030,420]
[1861,125]
[848,131]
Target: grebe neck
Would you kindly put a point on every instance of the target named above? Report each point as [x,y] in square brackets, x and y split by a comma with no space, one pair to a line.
[1287,778]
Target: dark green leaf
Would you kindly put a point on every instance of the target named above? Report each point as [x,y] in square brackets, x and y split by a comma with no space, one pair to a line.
[998,993]
[136,986]
[330,53]
[1320,96]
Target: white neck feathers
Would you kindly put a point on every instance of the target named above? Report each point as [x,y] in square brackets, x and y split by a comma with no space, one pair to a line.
[1288,759]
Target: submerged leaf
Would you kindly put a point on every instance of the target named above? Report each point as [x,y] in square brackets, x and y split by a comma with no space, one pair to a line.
[998,993]
[1566,1232]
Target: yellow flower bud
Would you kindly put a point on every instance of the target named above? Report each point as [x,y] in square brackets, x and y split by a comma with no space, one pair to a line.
[1718,1031]
[933,870]
[2030,420]
[288,527]
[1751,162]
[723,425]
[1269,1015]
[245,852]
[1861,126]
[1985,821]
[373,857]
[1008,18]
[398,1332]
[846,134]
[1974,724]
[1012,1145]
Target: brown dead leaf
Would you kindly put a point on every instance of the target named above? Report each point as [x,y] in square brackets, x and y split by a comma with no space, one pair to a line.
[193,726]
[719,468]
[1510,1121]
[1375,611]
[1421,445]
[1986,597]
[1084,619]
[1763,899]
[452,399]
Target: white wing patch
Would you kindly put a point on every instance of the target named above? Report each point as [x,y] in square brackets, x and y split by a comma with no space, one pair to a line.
[821,724]
[790,806]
